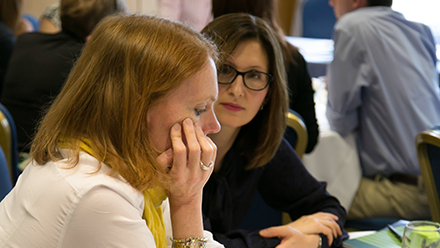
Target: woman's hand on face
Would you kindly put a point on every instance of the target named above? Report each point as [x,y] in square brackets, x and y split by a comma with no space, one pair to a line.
[315,224]
[290,237]
[187,176]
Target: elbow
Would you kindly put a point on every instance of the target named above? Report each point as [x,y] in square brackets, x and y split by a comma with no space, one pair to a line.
[342,124]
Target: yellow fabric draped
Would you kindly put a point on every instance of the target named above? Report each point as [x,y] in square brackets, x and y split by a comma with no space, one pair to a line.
[153,214]
[153,199]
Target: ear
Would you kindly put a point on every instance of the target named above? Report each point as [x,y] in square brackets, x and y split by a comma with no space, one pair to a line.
[359,4]
[266,100]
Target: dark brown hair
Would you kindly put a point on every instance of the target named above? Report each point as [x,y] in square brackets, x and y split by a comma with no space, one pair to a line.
[10,11]
[259,139]
[129,64]
[265,9]
[386,3]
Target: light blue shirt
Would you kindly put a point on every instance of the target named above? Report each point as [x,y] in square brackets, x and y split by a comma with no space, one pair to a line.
[383,85]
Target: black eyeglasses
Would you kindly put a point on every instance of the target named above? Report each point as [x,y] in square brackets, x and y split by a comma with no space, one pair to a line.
[253,80]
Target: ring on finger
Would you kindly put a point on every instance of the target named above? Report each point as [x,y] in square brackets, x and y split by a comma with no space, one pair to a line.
[204,167]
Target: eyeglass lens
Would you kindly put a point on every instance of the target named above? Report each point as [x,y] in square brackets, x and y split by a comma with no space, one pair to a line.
[254,80]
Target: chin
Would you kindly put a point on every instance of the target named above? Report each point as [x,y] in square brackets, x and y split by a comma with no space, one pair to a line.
[231,124]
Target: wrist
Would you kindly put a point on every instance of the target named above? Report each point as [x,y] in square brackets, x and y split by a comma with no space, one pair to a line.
[191,242]
[186,220]
[320,242]
[178,201]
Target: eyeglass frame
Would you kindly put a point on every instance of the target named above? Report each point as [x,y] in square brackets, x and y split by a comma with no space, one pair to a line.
[242,74]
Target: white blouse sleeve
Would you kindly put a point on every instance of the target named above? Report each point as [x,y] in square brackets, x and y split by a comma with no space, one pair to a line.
[105,218]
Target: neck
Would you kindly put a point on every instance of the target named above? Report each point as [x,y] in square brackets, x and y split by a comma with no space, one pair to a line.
[224,141]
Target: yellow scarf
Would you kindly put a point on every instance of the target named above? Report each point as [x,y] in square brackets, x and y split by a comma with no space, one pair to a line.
[152,209]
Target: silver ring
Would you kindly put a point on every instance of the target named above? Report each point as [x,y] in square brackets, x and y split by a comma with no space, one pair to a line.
[204,167]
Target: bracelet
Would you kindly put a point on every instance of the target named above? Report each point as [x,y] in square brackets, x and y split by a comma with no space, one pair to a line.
[191,242]
[320,242]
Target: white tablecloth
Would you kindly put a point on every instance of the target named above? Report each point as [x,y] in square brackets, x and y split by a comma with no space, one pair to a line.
[317,52]
[334,159]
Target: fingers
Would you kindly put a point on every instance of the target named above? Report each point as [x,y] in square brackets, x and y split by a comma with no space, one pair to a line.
[214,146]
[179,149]
[300,242]
[187,178]
[209,149]
[280,232]
[328,232]
[330,228]
[198,146]
[326,215]
[333,225]
[193,146]
[290,237]
[190,147]
[329,220]
[319,223]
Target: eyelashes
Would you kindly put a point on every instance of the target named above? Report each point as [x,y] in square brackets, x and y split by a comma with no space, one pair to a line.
[199,112]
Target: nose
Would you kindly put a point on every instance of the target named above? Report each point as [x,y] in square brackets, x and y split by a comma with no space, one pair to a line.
[210,124]
[237,86]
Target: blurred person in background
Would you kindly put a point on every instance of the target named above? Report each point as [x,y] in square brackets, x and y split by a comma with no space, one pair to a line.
[383,85]
[40,63]
[11,26]
[50,19]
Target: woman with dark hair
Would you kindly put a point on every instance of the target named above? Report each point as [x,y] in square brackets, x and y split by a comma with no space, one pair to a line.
[252,155]
[121,157]
[298,79]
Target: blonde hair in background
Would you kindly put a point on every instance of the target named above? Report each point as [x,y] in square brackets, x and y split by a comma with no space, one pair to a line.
[10,11]
[129,64]
[81,16]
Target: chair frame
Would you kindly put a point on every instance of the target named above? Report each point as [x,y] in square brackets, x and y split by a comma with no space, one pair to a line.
[6,141]
[297,124]
[432,137]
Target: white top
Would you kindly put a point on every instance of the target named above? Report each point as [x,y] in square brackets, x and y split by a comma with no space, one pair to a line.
[196,13]
[54,206]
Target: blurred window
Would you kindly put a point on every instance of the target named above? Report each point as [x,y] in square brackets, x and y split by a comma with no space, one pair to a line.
[424,11]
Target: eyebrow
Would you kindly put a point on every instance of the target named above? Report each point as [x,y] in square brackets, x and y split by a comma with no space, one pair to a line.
[212,98]
[255,67]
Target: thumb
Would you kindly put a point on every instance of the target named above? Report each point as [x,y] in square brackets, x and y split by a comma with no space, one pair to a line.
[279,231]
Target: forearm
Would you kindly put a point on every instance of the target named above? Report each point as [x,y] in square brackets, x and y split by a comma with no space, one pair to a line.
[186,219]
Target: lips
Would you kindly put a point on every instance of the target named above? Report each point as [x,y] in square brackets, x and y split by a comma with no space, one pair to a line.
[232,106]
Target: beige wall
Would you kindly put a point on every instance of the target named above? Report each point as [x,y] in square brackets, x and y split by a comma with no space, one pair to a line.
[36,7]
